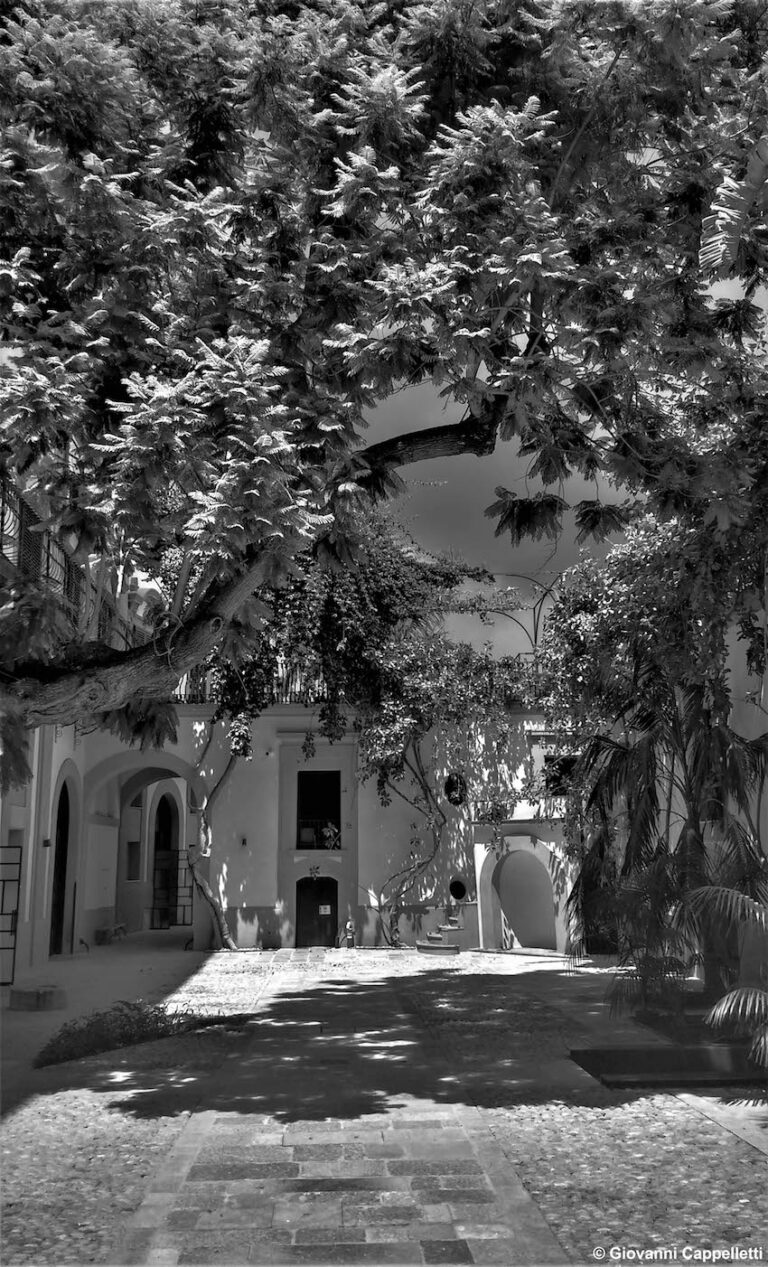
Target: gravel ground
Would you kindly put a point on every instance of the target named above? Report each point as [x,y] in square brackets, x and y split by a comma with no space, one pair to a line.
[653,1173]
[72,1170]
[634,1170]
[639,1171]
[75,1161]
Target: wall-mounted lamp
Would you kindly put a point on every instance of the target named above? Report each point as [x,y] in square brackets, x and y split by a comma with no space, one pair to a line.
[244,842]
[47,842]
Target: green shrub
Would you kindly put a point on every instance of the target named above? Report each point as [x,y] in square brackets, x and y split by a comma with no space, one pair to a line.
[121,1025]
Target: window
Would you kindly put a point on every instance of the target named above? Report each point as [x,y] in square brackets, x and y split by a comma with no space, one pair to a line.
[558,772]
[133,862]
[318,809]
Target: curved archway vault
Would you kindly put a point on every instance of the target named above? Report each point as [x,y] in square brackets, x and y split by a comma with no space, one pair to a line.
[526,898]
[523,885]
[142,772]
[151,885]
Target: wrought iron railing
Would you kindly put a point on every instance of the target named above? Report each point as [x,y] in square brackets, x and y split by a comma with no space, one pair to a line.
[290,685]
[317,833]
[37,554]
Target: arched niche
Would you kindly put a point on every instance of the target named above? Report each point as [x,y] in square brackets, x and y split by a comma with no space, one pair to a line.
[526,898]
[554,879]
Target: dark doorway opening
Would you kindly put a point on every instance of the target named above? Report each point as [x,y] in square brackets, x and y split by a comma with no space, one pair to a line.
[317,904]
[165,876]
[59,891]
[318,809]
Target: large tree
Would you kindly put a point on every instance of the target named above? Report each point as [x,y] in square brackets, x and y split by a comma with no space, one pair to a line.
[437,722]
[230,230]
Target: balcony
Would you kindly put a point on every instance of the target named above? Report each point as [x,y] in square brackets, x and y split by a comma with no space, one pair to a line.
[29,550]
[317,833]
[290,685]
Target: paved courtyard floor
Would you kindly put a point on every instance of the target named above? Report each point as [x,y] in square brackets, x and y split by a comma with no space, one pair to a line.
[377,1108]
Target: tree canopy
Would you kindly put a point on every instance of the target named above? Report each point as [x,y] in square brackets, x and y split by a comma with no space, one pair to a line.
[231,230]
[435,721]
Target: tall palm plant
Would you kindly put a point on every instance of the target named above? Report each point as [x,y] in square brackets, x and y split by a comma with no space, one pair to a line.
[680,785]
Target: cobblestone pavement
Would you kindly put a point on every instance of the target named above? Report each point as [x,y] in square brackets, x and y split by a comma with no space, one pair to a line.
[379,1108]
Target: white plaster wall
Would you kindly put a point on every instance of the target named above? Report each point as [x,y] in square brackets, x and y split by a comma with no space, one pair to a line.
[384,834]
[247,811]
[101,872]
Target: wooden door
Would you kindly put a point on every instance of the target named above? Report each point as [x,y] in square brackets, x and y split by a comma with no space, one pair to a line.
[317,904]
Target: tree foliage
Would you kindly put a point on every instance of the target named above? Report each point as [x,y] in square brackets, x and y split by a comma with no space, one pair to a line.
[232,230]
[366,644]
[664,814]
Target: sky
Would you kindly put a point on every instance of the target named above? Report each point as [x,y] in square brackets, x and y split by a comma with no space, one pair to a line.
[444,499]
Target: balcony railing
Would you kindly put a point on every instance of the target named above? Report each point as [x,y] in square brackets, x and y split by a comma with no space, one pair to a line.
[317,833]
[290,685]
[38,555]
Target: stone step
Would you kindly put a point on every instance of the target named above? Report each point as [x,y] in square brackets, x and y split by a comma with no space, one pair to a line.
[433,936]
[434,948]
[37,998]
[448,928]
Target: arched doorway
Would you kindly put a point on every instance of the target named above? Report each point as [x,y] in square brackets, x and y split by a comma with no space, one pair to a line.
[526,897]
[317,905]
[165,878]
[59,890]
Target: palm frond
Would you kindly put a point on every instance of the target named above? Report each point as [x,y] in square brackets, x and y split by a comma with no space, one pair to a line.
[625,992]
[745,1007]
[758,1051]
[738,862]
[712,901]
[607,765]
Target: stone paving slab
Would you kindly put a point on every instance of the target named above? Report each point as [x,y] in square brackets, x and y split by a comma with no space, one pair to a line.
[389,1178]
[460,1060]
[369,1119]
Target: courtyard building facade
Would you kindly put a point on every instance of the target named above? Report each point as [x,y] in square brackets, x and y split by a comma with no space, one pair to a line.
[96,845]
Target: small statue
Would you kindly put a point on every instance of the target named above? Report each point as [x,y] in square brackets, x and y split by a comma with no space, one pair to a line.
[349,934]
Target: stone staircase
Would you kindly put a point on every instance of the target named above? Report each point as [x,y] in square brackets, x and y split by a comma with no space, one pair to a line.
[438,941]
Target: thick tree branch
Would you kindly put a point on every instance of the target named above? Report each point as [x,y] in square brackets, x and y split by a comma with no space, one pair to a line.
[471,435]
[106,680]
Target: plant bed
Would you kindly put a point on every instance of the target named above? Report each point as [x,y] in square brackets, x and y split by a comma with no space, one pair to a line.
[125,1024]
[688,1027]
[703,1064]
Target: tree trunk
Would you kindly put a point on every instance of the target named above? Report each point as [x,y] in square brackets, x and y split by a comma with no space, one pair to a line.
[203,850]
[209,897]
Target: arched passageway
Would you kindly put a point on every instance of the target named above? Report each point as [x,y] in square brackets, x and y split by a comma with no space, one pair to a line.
[170,889]
[526,897]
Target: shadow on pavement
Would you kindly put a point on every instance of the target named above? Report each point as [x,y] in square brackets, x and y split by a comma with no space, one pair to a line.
[352,1048]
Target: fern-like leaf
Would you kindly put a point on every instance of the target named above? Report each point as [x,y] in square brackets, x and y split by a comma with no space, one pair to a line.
[523,517]
[595,519]
[722,228]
